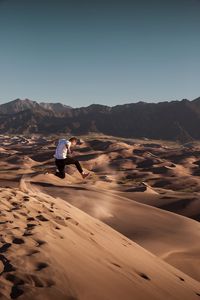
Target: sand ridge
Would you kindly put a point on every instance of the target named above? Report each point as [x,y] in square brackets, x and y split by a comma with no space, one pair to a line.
[77,250]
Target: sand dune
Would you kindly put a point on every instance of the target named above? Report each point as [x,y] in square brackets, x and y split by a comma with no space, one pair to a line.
[158,231]
[79,258]
[139,193]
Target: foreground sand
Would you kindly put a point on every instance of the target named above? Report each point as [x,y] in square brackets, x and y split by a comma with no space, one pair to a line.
[52,250]
[172,237]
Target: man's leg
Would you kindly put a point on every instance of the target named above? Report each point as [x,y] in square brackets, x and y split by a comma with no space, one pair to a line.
[60,164]
[72,161]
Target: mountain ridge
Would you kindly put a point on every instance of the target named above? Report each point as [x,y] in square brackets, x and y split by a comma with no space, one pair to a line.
[162,120]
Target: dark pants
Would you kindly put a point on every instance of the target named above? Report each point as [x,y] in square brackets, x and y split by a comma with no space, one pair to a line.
[61,163]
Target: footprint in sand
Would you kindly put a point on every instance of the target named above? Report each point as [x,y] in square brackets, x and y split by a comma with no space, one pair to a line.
[30,219]
[23,214]
[91,239]
[16,216]
[16,291]
[181,278]
[40,243]
[14,279]
[18,241]
[30,225]
[41,265]
[33,251]
[144,276]
[5,247]
[15,203]
[72,221]
[59,220]
[16,207]
[3,222]
[28,229]
[6,263]
[115,264]
[26,198]
[27,233]
[42,218]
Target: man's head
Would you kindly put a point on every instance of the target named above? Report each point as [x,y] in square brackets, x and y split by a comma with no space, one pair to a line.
[73,141]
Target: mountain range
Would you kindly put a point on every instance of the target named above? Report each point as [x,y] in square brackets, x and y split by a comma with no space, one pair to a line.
[175,120]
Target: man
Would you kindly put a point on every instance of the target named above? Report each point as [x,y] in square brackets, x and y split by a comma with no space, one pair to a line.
[63,157]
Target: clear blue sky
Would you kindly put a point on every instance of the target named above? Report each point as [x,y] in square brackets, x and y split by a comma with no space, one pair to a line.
[80,52]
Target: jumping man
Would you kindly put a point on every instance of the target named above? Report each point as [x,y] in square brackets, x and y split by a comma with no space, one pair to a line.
[63,157]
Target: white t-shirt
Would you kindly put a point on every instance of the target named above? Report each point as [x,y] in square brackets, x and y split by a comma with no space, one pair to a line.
[61,150]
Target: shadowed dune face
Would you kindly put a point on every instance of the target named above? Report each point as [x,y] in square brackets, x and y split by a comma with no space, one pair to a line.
[141,189]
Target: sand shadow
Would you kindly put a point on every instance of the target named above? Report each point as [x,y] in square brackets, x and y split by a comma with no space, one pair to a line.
[51,185]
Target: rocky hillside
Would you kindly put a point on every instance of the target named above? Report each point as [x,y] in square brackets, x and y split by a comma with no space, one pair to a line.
[165,120]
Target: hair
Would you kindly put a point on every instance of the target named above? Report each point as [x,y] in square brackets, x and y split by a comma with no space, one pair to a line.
[73,139]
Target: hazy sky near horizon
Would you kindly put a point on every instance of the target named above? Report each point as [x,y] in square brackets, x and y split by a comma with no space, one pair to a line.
[108,52]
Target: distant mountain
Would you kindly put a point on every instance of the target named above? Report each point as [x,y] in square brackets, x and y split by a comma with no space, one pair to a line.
[164,120]
[58,108]
[18,105]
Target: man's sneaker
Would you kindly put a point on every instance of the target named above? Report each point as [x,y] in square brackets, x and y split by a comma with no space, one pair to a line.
[84,175]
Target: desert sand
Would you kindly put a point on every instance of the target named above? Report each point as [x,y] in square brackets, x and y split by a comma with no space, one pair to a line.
[130,231]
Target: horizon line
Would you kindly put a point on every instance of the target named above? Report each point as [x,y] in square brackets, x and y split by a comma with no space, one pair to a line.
[127,103]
